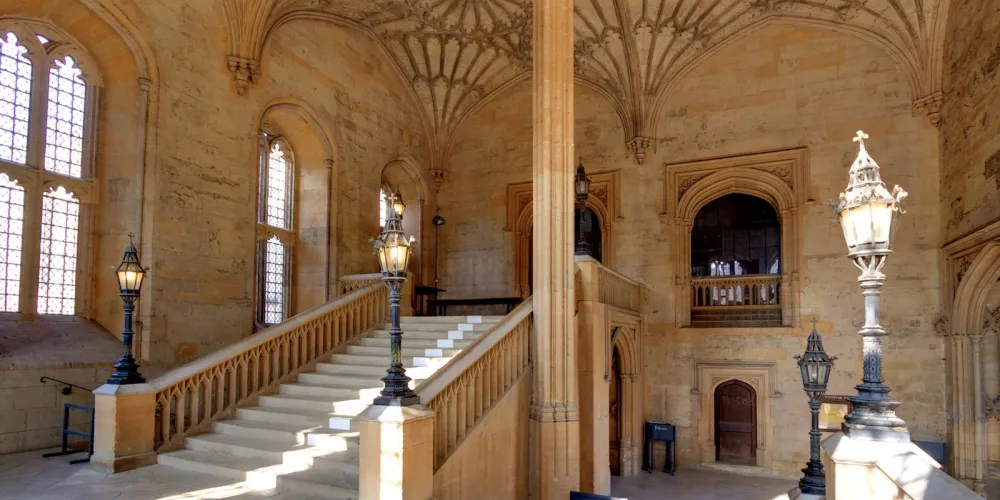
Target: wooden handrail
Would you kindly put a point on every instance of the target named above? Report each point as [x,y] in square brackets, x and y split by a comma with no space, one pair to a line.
[465,390]
[190,397]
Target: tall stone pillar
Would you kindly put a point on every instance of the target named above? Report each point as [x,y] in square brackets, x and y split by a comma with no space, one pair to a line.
[555,468]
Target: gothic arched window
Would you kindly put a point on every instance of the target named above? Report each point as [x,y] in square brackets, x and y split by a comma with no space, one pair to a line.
[275,233]
[47,112]
[736,234]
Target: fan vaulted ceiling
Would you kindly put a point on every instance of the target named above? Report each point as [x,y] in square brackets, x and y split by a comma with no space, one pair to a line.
[456,53]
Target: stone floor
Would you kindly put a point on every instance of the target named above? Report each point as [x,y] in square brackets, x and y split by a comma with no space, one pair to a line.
[29,476]
[697,483]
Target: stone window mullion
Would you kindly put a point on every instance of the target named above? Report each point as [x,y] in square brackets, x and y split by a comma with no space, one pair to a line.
[31,243]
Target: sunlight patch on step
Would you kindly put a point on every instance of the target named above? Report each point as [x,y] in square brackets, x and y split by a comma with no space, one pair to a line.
[227,491]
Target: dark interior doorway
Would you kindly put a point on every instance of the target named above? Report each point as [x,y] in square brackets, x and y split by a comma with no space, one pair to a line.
[614,412]
[591,232]
[736,423]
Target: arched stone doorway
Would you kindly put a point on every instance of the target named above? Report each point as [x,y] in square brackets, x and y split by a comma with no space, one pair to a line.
[736,423]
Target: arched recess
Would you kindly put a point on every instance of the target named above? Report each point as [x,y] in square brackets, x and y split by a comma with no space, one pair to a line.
[314,211]
[404,176]
[603,200]
[778,177]
[919,78]
[523,243]
[964,354]
[125,146]
[625,338]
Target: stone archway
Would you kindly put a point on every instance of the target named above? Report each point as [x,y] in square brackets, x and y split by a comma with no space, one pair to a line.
[624,342]
[761,378]
[965,357]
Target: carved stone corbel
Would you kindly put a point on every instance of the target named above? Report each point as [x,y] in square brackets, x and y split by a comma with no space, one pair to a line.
[245,71]
[930,106]
[638,146]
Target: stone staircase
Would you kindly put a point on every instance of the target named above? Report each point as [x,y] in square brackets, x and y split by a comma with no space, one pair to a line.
[300,440]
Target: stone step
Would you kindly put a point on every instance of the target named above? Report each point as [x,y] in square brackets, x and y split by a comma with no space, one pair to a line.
[298,455]
[318,418]
[376,372]
[449,319]
[343,408]
[421,335]
[407,351]
[443,343]
[288,434]
[318,381]
[327,392]
[383,360]
[432,327]
[264,474]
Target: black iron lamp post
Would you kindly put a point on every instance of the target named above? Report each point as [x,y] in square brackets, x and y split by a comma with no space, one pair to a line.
[815,366]
[393,251]
[867,212]
[581,185]
[438,221]
[130,275]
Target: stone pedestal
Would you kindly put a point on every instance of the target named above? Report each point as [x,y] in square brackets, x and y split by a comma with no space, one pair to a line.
[859,469]
[796,494]
[397,453]
[124,424]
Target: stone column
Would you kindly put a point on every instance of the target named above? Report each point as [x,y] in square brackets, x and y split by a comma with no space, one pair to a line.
[555,469]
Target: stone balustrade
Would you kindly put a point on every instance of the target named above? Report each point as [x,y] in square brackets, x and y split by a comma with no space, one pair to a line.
[138,421]
[464,390]
[599,283]
[745,291]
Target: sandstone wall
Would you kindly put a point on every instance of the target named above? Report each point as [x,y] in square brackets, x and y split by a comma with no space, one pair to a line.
[320,84]
[780,87]
[970,129]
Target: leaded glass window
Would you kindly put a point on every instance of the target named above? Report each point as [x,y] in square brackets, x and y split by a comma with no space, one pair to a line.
[11,232]
[15,99]
[57,264]
[274,229]
[47,86]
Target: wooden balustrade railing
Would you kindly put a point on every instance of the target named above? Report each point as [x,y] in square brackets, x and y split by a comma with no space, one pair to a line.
[189,398]
[351,282]
[617,290]
[463,391]
[745,291]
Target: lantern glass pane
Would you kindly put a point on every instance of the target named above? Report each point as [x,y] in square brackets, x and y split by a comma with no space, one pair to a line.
[846,225]
[813,373]
[881,222]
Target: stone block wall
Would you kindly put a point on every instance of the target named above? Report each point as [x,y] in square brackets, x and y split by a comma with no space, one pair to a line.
[779,87]
[970,129]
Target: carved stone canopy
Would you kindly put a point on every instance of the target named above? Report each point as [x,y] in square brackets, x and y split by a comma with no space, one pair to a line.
[455,54]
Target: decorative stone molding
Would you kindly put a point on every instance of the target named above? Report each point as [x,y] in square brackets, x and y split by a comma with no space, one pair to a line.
[992,406]
[638,146]
[759,375]
[604,200]
[930,106]
[779,177]
[245,72]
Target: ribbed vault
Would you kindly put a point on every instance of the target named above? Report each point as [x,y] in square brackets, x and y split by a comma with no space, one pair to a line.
[454,54]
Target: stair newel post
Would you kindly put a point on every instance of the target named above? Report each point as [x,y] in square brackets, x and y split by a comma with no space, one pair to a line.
[395,454]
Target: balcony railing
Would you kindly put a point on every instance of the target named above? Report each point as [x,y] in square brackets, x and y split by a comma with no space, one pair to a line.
[757,291]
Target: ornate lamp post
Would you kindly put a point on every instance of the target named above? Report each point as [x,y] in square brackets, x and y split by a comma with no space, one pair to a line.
[130,275]
[393,251]
[867,212]
[581,185]
[815,366]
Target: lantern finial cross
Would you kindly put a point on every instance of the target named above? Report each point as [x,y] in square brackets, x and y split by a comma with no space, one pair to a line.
[860,138]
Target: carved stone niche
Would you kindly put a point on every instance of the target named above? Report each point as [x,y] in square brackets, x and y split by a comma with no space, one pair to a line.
[604,200]
[779,177]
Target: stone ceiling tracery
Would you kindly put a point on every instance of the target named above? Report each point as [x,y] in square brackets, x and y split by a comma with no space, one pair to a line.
[457,53]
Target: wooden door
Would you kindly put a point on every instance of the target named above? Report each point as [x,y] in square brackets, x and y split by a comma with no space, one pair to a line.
[736,423]
[614,420]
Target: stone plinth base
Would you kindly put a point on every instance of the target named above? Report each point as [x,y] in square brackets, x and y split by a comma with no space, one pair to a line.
[124,423]
[397,453]
[859,469]
[796,494]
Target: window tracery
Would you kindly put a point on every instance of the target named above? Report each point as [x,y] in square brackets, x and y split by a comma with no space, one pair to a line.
[274,229]
[47,112]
